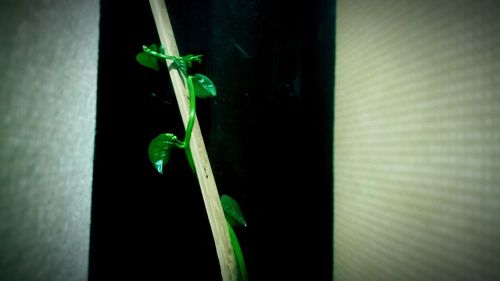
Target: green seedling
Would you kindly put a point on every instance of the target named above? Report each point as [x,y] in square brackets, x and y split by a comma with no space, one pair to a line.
[160,148]
[234,217]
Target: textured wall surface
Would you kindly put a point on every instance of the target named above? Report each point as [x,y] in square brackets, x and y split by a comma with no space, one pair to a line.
[47,118]
[417,140]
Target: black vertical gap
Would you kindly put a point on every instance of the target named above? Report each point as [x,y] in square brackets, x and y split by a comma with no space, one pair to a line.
[269,135]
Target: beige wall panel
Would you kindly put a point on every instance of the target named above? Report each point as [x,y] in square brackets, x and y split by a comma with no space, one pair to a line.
[417,140]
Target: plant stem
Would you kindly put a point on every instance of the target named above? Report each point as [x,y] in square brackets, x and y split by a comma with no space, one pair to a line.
[158,55]
[192,117]
[238,253]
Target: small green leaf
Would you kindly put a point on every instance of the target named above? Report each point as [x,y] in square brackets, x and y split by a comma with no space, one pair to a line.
[232,210]
[154,47]
[181,65]
[204,87]
[161,50]
[148,60]
[190,58]
[185,62]
[160,149]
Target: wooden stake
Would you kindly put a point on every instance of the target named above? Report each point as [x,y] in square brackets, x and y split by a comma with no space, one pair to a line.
[225,253]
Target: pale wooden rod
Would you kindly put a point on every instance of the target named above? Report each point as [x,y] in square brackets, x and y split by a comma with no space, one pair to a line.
[225,253]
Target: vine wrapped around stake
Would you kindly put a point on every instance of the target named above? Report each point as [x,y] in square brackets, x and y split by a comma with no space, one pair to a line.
[159,150]
[198,85]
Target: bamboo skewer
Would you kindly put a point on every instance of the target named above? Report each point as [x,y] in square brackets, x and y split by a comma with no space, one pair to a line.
[225,252]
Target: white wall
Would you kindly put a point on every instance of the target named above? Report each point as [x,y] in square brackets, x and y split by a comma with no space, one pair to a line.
[417,140]
[48,76]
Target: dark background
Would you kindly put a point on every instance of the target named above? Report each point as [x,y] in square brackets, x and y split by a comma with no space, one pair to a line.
[269,136]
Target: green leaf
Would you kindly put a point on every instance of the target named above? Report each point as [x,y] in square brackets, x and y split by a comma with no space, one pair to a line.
[232,210]
[154,47]
[190,58]
[148,60]
[204,87]
[185,62]
[160,149]
[181,65]
[161,50]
